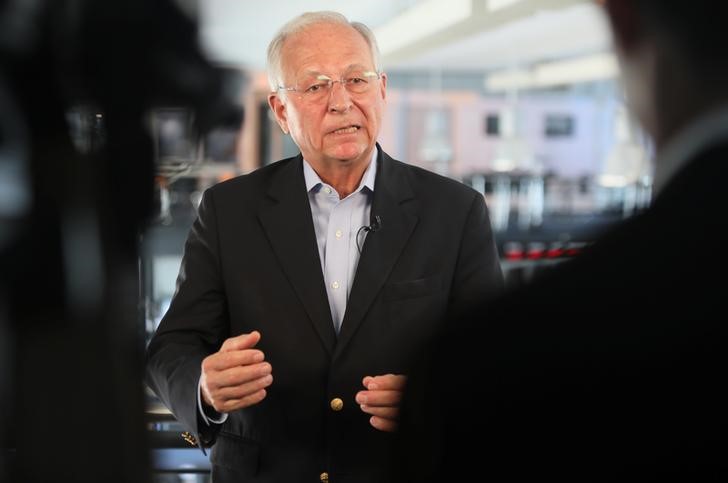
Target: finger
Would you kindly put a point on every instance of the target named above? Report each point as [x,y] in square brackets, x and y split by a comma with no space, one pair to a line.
[382,412]
[225,360]
[379,398]
[242,390]
[247,401]
[387,381]
[238,375]
[383,424]
[243,341]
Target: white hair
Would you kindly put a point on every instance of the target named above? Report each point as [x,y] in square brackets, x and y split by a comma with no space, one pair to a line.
[302,22]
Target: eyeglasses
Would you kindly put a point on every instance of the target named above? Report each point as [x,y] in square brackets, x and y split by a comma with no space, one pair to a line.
[317,87]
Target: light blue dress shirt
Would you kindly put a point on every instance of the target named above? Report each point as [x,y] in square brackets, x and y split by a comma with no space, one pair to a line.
[338,224]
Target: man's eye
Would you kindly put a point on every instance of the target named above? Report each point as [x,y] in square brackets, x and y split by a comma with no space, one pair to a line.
[357,80]
[316,87]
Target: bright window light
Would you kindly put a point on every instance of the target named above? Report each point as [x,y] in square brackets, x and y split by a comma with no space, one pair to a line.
[420,21]
[573,71]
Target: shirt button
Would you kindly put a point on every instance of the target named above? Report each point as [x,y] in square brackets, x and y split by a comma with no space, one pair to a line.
[327,190]
[338,233]
[335,285]
[337,404]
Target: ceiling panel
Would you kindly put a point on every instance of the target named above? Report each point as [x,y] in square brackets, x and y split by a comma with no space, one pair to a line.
[541,36]
[237,32]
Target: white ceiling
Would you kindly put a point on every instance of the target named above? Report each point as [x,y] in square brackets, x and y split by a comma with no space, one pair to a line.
[237,32]
[540,36]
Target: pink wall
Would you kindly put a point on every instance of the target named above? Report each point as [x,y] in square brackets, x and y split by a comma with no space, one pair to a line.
[405,130]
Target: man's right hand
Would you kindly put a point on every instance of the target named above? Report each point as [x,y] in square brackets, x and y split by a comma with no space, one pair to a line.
[236,376]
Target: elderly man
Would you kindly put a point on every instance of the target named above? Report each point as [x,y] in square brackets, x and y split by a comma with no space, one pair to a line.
[307,286]
[611,368]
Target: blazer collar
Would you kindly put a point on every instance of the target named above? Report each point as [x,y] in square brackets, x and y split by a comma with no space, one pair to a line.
[288,224]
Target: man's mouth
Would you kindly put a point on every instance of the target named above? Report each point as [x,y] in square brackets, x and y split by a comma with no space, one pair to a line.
[347,130]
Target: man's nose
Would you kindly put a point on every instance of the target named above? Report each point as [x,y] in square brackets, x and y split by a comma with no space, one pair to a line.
[339,97]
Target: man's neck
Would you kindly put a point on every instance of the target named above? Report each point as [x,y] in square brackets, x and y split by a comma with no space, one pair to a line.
[697,133]
[673,119]
[682,96]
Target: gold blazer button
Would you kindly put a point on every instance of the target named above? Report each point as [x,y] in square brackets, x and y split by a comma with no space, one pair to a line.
[337,404]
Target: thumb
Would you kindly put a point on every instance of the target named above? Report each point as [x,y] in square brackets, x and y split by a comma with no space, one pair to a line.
[241,342]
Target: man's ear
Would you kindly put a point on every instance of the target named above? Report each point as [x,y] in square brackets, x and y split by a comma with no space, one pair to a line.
[279,110]
[627,23]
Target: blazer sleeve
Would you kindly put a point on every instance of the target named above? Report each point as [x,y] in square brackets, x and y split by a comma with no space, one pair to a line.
[195,325]
[477,275]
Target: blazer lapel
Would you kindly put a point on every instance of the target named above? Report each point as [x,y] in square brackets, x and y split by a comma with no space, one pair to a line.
[288,224]
[393,202]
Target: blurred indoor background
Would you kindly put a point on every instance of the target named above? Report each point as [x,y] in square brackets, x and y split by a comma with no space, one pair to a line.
[517,98]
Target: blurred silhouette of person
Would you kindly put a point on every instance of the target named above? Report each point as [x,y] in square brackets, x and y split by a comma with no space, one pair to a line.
[611,367]
[307,285]
[77,79]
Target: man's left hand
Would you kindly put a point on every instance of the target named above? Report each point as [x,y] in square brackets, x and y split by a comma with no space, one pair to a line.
[381,399]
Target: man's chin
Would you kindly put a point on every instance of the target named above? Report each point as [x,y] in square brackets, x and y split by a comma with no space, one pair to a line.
[347,152]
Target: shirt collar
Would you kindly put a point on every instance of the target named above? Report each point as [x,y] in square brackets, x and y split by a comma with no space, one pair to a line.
[700,134]
[367,180]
